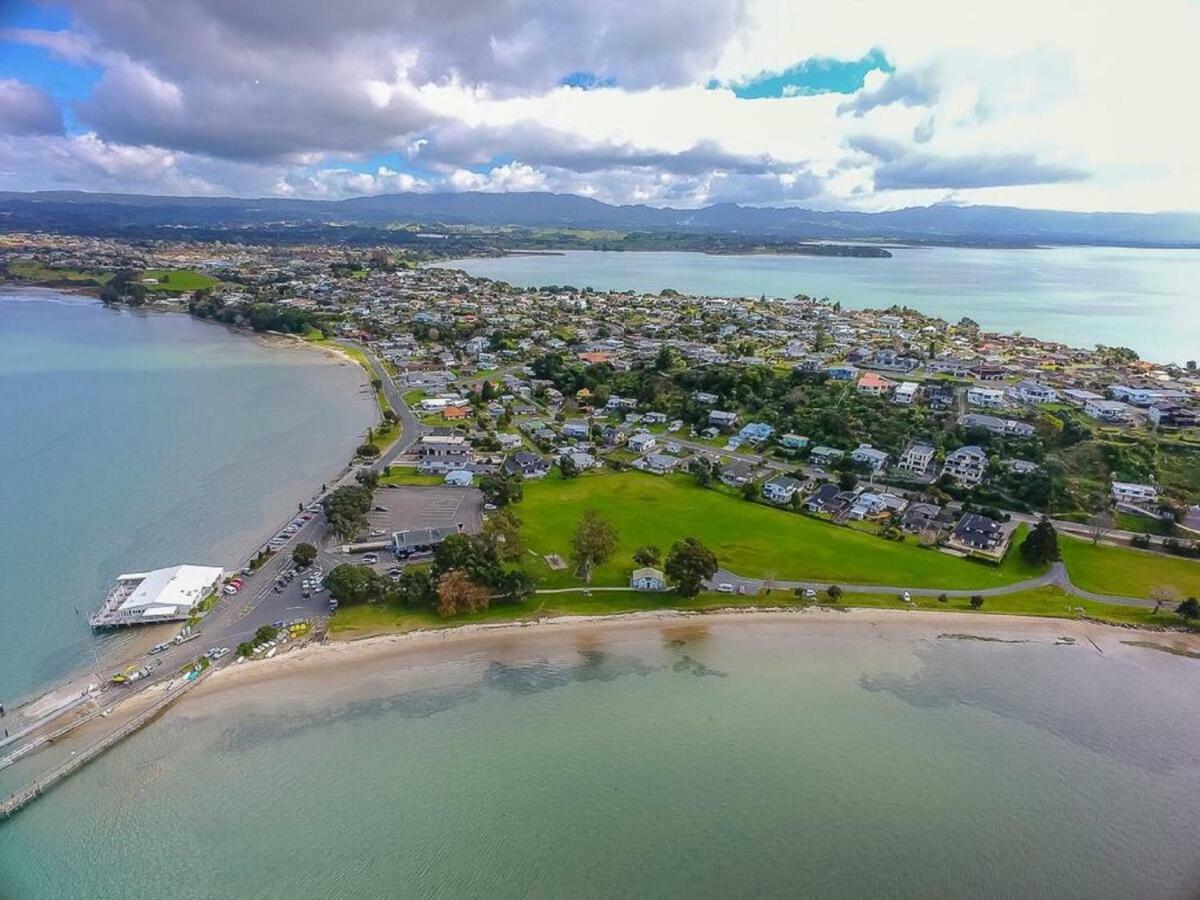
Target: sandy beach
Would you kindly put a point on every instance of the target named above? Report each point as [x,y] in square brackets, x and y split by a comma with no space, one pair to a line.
[339,664]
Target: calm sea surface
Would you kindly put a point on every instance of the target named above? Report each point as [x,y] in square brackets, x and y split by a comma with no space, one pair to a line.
[134,440]
[1145,299]
[732,759]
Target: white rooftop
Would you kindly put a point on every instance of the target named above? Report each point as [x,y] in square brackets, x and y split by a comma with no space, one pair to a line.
[173,587]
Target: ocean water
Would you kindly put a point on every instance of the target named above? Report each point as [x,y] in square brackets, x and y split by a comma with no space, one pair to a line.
[1145,299]
[727,759]
[131,440]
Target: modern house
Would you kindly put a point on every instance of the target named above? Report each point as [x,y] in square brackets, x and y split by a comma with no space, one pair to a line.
[874,385]
[985,398]
[781,489]
[825,456]
[722,419]
[979,533]
[876,460]
[1137,494]
[756,433]
[916,458]
[577,429]
[1108,410]
[906,393]
[737,473]
[440,453]
[1033,392]
[966,465]
[459,478]
[641,442]
[659,463]
[922,517]
[793,442]
[1173,415]
[1006,427]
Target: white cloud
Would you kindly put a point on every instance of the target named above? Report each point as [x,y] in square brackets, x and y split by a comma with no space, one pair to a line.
[1031,102]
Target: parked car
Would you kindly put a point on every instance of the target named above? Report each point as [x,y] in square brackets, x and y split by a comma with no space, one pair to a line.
[724,588]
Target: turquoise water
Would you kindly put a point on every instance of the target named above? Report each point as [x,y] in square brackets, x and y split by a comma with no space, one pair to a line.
[1145,299]
[733,759]
[132,440]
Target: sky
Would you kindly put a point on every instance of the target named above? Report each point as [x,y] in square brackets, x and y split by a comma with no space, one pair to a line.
[821,104]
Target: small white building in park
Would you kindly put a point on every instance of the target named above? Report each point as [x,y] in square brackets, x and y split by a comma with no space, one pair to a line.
[648,579]
[162,595]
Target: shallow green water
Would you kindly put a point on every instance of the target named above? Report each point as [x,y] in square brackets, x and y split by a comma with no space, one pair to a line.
[1083,296]
[133,440]
[742,759]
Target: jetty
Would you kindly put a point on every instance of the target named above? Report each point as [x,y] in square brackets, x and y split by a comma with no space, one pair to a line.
[23,796]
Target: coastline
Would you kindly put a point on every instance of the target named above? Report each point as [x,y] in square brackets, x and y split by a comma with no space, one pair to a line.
[342,663]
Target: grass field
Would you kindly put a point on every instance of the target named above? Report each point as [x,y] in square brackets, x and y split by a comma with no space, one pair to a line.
[748,538]
[1105,569]
[178,281]
[350,623]
[409,475]
[29,270]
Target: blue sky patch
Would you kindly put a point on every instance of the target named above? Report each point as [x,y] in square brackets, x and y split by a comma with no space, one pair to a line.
[64,81]
[817,75]
[587,80]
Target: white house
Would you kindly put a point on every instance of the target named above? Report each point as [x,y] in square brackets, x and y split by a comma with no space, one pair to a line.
[1107,410]
[647,579]
[916,458]
[642,442]
[966,465]
[906,393]
[875,459]
[1034,392]
[1125,492]
[985,398]
[780,489]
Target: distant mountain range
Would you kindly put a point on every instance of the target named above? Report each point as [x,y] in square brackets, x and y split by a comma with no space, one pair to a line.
[88,213]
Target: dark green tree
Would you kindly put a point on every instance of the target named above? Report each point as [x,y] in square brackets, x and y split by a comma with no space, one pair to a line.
[688,564]
[1189,609]
[304,554]
[1041,544]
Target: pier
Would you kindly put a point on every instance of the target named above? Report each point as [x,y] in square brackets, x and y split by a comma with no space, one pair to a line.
[22,797]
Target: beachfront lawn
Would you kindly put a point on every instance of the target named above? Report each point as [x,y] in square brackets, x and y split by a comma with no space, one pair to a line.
[351,623]
[749,539]
[1106,569]
[33,271]
[177,281]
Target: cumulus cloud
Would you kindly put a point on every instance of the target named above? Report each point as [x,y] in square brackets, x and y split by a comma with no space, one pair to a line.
[25,109]
[1013,103]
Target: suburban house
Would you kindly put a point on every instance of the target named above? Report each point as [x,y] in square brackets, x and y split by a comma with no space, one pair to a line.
[916,458]
[1144,396]
[577,429]
[756,433]
[876,460]
[1137,494]
[1079,396]
[737,473]
[793,442]
[867,505]
[976,532]
[985,398]
[1007,427]
[659,463]
[922,517]
[722,419]
[823,498]
[704,399]
[648,579]
[825,456]
[440,453]
[874,385]
[966,465]
[1033,392]
[508,441]
[1108,411]
[582,461]
[526,464]
[841,373]
[1173,415]
[906,393]
[781,489]
[989,372]
[950,365]
[641,442]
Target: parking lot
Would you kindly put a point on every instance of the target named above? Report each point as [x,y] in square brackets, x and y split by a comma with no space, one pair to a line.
[411,506]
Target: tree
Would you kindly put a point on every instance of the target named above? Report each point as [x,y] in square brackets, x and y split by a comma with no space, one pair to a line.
[1164,595]
[592,544]
[1188,610]
[567,466]
[304,555]
[647,556]
[847,481]
[349,584]
[1100,525]
[503,531]
[688,564]
[976,601]
[368,478]
[367,450]
[749,491]
[473,554]
[1041,544]
[702,469]
[833,592]
[346,510]
[943,598]
[501,490]
[457,593]
[264,633]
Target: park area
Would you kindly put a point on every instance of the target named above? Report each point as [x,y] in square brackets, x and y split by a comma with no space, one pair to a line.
[750,539]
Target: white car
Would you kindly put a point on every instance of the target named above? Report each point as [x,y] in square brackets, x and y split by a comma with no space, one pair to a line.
[724,588]
[906,597]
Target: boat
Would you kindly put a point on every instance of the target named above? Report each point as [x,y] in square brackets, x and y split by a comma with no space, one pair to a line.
[271,652]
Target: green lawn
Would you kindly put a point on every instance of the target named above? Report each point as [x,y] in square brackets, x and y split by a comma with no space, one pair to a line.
[1105,569]
[354,622]
[749,538]
[409,475]
[30,270]
[177,281]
